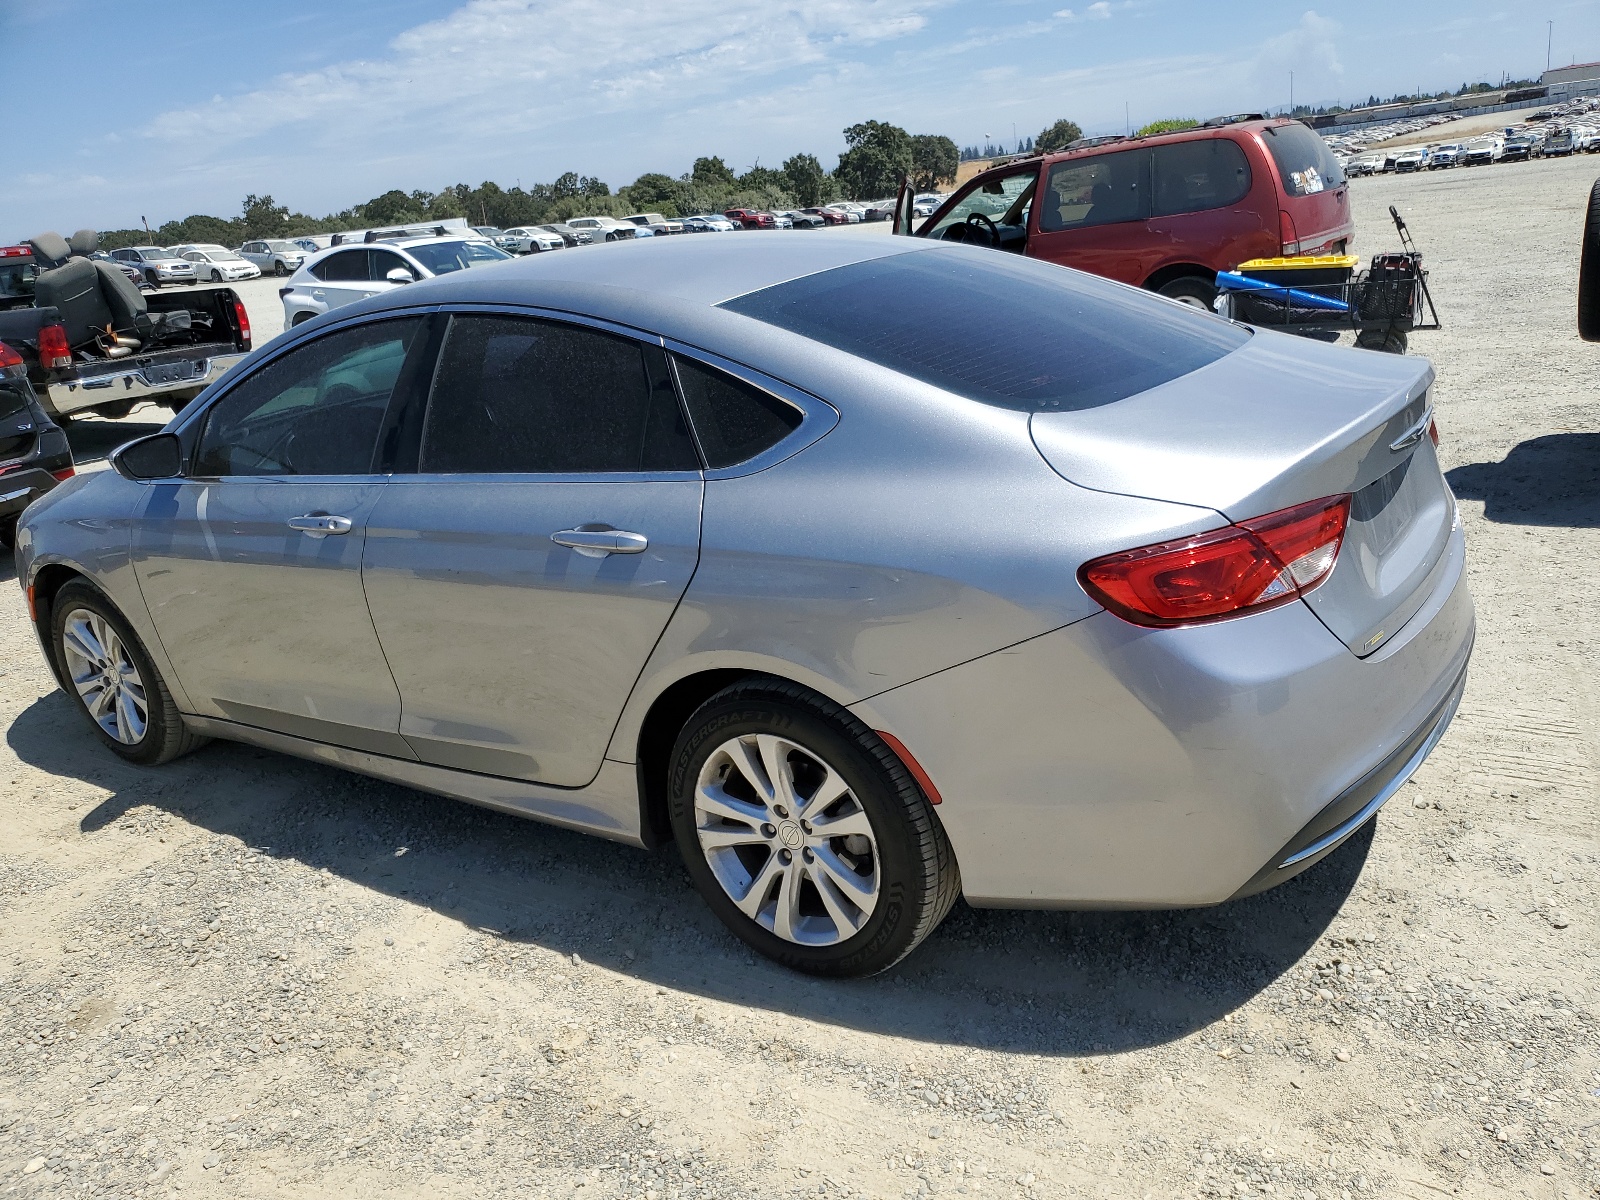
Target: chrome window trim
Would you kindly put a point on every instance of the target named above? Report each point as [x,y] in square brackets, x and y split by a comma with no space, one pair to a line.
[817,417]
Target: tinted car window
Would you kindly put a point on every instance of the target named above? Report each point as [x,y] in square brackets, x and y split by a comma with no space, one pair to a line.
[350,266]
[512,394]
[12,403]
[381,262]
[1305,163]
[1101,190]
[996,328]
[1197,175]
[316,410]
[734,421]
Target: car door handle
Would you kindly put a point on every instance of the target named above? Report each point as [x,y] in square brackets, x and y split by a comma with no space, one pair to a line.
[320,525]
[597,543]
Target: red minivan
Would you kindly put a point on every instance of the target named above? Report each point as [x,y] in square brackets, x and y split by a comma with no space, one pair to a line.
[1166,212]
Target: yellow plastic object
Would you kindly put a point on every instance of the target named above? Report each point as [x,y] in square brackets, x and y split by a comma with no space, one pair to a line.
[1318,262]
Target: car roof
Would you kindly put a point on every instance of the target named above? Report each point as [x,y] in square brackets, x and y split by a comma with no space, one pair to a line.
[659,284]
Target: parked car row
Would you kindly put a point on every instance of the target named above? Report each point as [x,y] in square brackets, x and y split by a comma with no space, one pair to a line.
[1571,128]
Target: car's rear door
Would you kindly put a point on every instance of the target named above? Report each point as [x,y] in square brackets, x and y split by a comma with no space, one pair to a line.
[521,575]
[1092,213]
[251,563]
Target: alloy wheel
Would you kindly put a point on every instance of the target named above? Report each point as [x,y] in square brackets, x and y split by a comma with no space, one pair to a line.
[787,839]
[105,677]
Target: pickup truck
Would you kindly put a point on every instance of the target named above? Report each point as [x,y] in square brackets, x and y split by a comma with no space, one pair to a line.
[79,384]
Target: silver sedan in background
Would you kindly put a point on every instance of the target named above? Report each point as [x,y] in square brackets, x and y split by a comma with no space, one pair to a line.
[1039,590]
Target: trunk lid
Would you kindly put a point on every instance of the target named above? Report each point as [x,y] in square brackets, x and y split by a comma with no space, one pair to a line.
[1279,422]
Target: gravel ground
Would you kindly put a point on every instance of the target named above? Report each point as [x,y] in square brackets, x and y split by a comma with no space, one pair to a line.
[244,975]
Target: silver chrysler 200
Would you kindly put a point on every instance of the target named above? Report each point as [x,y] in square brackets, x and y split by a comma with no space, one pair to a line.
[871,573]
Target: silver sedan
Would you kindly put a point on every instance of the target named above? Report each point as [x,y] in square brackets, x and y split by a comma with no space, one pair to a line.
[1036,589]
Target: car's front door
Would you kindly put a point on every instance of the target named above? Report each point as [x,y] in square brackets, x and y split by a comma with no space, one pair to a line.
[251,564]
[521,576]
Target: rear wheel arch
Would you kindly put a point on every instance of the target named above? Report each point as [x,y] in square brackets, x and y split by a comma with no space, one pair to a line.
[658,733]
[1160,278]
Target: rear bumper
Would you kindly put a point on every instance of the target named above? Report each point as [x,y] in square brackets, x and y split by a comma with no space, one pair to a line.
[18,489]
[133,384]
[1108,766]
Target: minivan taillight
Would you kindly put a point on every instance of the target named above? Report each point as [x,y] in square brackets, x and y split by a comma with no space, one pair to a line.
[1287,236]
[54,352]
[1247,567]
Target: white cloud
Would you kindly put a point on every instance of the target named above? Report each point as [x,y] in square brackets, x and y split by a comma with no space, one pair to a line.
[1098,11]
[1311,51]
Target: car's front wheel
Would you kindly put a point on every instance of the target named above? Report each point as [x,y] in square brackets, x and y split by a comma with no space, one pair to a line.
[216,277]
[804,832]
[279,269]
[112,680]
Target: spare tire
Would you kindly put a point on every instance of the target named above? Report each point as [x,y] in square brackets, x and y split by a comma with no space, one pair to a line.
[1589,271]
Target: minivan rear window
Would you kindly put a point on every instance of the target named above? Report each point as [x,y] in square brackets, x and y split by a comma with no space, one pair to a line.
[1305,163]
[997,328]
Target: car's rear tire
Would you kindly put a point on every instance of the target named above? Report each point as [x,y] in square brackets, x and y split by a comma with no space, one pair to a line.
[1589,271]
[301,319]
[1190,290]
[1388,341]
[847,903]
[112,681]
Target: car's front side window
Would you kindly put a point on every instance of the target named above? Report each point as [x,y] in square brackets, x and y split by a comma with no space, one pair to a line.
[995,199]
[520,395]
[381,262]
[315,410]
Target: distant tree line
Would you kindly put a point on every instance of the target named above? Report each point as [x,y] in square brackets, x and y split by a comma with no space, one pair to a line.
[877,154]
[1373,101]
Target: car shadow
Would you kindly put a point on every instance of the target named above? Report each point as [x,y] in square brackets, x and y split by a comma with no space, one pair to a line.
[92,439]
[1550,480]
[1049,983]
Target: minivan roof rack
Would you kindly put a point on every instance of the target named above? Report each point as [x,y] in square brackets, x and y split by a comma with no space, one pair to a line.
[1233,119]
[1085,143]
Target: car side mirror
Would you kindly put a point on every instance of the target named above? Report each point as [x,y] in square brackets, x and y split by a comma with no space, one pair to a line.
[159,456]
[400,275]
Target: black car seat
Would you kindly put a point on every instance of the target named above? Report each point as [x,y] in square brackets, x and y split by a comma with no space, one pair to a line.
[101,310]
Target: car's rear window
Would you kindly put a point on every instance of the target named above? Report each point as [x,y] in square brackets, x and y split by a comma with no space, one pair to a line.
[1305,164]
[998,328]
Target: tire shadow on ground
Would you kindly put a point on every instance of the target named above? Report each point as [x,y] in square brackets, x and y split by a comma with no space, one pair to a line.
[1551,480]
[1050,983]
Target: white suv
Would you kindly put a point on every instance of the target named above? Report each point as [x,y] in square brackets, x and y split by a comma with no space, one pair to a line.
[608,229]
[274,254]
[348,273]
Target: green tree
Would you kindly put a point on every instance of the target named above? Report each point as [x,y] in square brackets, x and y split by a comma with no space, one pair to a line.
[264,218]
[392,208]
[202,229]
[806,180]
[759,178]
[1057,136]
[654,192]
[878,154]
[712,173]
[934,158]
[1170,125]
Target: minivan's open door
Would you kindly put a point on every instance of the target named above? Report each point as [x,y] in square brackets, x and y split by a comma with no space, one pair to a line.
[902,207]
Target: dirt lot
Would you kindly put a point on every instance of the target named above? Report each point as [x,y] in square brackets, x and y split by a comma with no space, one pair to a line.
[246,976]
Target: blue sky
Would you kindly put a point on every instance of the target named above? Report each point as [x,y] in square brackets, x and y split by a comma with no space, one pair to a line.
[185,106]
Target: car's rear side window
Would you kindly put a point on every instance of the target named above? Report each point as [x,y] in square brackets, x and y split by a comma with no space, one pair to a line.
[345,267]
[997,328]
[1196,175]
[1305,164]
[520,395]
[733,420]
[1102,189]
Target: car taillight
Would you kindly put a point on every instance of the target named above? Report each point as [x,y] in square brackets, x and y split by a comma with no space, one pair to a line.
[244,322]
[1433,431]
[54,352]
[9,357]
[1246,567]
[63,475]
[1287,236]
